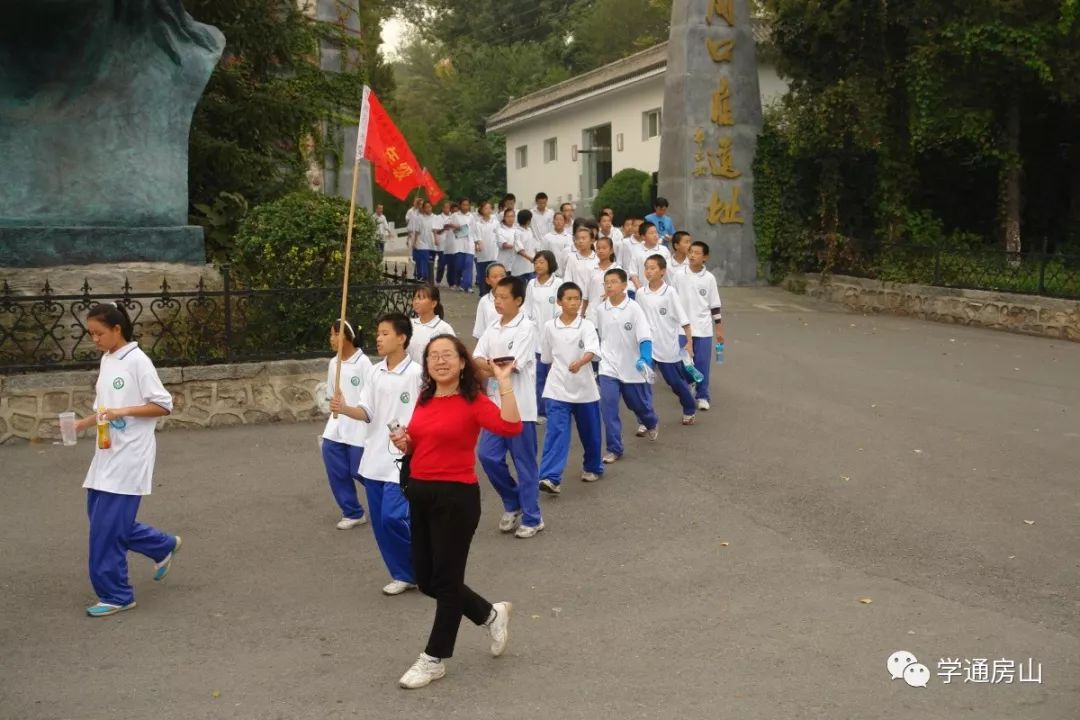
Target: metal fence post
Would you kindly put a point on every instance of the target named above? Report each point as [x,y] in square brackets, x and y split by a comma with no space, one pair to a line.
[228,312]
[1042,265]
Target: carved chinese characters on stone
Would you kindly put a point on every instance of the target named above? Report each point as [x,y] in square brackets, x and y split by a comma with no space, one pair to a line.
[721,104]
[720,160]
[720,50]
[721,8]
[725,212]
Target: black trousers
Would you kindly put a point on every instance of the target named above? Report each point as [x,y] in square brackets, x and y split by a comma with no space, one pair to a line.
[444,516]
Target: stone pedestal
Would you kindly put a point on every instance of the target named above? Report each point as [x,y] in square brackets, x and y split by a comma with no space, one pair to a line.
[107,280]
[711,119]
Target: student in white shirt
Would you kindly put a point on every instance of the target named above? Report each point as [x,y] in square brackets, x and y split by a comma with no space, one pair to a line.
[594,290]
[382,229]
[462,222]
[128,401]
[513,337]
[424,248]
[625,352]
[486,244]
[445,247]
[388,396]
[542,219]
[667,319]
[680,257]
[410,217]
[567,210]
[649,246]
[486,315]
[429,322]
[701,298]
[524,248]
[569,344]
[540,307]
[505,235]
[343,437]
[559,242]
[625,251]
[582,260]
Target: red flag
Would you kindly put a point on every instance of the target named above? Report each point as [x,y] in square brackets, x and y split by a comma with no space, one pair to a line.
[380,142]
[431,188]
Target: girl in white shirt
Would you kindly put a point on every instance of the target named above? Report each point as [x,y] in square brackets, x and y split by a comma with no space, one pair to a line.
[343,437]
[594,290]
[129,399]
[524,248]
[427,304]
[505,237]
[487,245]
[582,260]
[540,307]
[486,314]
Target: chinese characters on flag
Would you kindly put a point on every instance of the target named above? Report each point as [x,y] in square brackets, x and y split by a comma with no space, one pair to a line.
[431,188]
[380,142]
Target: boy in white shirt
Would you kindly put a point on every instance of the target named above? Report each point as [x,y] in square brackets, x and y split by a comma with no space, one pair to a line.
[542,219]
[680,257]
[504,236]
[486,245]
[513,339]
[559,242]
[524,248]
[424,247]
[569,344]
[701,298]
[649,246]
[445,248]
[389,395]
[462,223]
[382,229]
[583,260]
[667,319]
[625,352]
[486,315]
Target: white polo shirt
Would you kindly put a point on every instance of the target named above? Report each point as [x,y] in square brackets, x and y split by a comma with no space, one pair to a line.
[127,378]
[542,222]
[445,237]
[675,269]
[623,328]
[518,339]
[666,317]
[540,305]
[523,240]
[595,292]
[579,268]
[562,344]
[425,231]
[388,395]
[700,295]
[484,234]
[422,334]
[625,252]
[639,254]
[354,374]
[560,246]
[463,242]
[504,235]
[485,315]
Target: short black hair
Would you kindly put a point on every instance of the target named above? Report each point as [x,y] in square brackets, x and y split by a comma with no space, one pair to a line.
[541,196]
[401,324]
[565,204]
[464,200]
[617,271]
[660,202]
[491,268]
[659,260]
[679,235]
[565,288]
[516,285]
[113,315]
[553,264]
[703,245]
[645,225]
[524,217]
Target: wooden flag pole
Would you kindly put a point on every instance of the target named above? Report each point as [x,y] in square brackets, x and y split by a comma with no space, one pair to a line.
[345,281]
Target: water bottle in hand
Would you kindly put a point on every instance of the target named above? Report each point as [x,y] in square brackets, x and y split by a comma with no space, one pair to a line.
[719,353]
[688,365]
[646,372]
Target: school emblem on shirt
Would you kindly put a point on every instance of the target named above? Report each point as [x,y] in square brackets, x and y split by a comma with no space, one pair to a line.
[404,398]
[510,345]
[628,326]
[663,311]
[355,381]
[551,300]
[118,383]
[701,292]
[581,344]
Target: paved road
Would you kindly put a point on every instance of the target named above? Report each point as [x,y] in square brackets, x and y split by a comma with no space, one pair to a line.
[716,573]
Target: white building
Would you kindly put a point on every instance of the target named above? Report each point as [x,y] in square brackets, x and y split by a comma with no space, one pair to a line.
[567,140]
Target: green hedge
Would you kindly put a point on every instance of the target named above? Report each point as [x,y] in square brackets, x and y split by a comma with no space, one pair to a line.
[623,194]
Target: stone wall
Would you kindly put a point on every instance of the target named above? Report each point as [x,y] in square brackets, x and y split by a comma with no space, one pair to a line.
[210,396]
[1028,314]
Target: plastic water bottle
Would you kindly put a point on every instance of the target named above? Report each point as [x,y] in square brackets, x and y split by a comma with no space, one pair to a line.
[647,372]
[719,353]
[688,365]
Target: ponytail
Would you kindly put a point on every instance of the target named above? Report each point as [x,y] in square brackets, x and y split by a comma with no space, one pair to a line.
[112,315]
[350,335]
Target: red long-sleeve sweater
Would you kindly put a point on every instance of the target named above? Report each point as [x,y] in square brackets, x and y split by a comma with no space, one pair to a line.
[444,432]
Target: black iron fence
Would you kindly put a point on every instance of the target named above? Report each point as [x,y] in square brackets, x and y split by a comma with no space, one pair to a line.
[1031,272]
[202,326]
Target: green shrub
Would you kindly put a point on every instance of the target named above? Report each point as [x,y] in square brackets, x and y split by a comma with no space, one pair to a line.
[622,193]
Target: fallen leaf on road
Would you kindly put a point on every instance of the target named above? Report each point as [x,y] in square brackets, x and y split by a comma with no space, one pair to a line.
[917,451]
[215,694]
[1012,557]
[535,617]
[866,601]
[725,544]
[1029,522]
[845,478]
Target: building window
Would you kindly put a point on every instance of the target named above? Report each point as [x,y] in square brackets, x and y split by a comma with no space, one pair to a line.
[650,124]
[551,150]
[521,156]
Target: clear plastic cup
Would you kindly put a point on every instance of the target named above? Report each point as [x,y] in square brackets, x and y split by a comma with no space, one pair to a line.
[67,428]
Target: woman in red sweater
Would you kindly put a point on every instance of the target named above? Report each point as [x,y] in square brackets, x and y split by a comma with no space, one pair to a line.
[444,498]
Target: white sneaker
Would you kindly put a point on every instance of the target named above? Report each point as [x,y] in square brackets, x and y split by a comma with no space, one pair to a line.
[702,404]
[499,627]
[589,477]
[689,419]
[422,673]
[549,487]
[611,458]
[641,430]
[396,587]
[349,523]
[654,433]
[528,531]
[509,521]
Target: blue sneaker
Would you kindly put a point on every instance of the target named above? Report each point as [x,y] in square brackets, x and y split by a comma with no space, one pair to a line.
[161,569]
[106,609]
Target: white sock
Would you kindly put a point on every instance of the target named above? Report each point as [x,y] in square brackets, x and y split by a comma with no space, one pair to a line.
[491,618]
[430,658]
